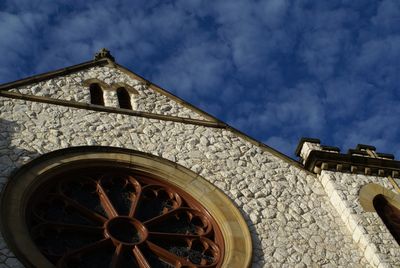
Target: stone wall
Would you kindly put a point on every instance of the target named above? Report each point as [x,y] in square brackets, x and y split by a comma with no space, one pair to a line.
[289,214]
[71,87]
[367,228]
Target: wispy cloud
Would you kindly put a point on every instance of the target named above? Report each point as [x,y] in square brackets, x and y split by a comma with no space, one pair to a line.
[277,69]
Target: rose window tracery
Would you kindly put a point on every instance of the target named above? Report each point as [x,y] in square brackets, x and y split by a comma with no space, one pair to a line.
[114,217]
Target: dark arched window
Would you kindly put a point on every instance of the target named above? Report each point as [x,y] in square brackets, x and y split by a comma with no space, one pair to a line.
[124,98]
[96,94]
[389,214]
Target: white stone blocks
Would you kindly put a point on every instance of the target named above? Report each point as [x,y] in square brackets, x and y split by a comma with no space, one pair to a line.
[289,215]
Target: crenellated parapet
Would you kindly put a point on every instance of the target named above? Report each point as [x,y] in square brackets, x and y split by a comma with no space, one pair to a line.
[362,160]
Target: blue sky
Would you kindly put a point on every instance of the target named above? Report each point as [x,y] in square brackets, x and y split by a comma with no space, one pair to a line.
[275,69]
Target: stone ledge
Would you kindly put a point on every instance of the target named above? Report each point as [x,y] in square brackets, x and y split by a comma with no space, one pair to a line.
[322,160]
[79,105]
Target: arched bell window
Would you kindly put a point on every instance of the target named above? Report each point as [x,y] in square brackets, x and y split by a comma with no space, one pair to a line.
[389,214]
[124,98]
[96,94]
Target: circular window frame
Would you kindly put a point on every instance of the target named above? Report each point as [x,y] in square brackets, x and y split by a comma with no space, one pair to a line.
[27,179]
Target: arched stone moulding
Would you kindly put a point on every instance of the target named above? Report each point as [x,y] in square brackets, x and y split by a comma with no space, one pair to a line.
[129,88]
[26,180]
[103,85]
[369,191]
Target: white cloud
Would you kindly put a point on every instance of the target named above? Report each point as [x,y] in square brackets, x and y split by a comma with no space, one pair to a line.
[276,69]
[387,20]
[195,71]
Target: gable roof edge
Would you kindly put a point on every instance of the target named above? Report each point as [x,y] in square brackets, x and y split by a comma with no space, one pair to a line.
[166,93]
[215,119]
[105,61]
[52,74]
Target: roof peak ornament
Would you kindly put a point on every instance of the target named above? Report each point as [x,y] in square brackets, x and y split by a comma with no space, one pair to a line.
[104,53]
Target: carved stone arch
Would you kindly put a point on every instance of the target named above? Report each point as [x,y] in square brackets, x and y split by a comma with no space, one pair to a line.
[103,85]
[41,180]
[385,203]
[126,95]
[369,191]
[129,88]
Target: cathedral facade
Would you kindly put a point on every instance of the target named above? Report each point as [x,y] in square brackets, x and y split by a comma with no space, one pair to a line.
[99,167]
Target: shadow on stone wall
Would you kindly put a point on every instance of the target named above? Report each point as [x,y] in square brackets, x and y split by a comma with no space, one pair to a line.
[11,155]
[258,255]
[10,159]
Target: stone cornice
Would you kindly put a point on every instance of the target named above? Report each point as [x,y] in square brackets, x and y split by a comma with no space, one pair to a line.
[218,124]
[323,160]
[100,108]
[361,160]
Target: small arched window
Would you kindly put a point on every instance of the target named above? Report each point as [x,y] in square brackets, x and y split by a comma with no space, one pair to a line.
[389,214]
[96,94]
[124,98]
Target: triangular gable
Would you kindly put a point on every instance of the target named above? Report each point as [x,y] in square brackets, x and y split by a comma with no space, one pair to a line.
[72,84]
[69,87]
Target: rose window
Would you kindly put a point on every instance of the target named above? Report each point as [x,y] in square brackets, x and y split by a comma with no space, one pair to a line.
[109,217]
